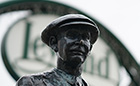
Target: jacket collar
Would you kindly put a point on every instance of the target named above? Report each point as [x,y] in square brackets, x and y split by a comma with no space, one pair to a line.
[69,78]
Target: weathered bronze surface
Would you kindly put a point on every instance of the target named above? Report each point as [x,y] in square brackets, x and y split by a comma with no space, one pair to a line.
[71,37]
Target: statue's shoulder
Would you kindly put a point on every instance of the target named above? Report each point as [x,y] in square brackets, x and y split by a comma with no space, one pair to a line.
[41,79]
[24,81]
[42,76]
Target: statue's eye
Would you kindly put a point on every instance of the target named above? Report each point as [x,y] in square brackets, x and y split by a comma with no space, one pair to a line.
[86,36]
[72,34]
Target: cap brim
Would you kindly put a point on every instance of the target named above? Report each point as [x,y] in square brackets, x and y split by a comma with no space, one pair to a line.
[82,25]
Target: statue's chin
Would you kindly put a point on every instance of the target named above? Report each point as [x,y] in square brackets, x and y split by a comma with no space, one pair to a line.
[76,60]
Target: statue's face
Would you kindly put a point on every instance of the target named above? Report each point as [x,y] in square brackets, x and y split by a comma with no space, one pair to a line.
[74,45]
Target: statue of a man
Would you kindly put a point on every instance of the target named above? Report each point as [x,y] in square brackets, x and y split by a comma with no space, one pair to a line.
[71,37]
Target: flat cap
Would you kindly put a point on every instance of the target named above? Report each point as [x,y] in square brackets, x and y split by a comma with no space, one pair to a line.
[70,20]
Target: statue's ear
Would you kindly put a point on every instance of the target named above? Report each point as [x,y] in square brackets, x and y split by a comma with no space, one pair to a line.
[53,43]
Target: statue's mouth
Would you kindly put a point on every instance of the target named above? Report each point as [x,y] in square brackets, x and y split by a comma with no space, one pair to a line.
[77,52]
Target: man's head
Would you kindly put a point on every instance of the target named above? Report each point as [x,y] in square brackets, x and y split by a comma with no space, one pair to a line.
[71,36]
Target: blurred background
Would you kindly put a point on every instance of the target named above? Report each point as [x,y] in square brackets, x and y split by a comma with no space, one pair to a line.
[120,17]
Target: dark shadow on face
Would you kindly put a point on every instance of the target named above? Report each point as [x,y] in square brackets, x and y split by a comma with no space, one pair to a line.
[74,45]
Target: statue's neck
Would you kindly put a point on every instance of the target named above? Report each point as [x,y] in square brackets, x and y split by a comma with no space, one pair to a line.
[69,67]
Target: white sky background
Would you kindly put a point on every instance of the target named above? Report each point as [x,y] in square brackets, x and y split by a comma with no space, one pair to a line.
[121,17]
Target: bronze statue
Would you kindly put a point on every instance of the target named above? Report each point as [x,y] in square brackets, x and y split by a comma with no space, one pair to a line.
[71,37]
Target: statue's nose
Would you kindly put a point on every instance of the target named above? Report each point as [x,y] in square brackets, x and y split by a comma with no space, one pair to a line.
[81,41]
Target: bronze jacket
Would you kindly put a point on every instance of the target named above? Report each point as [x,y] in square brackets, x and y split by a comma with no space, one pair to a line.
[54,78]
